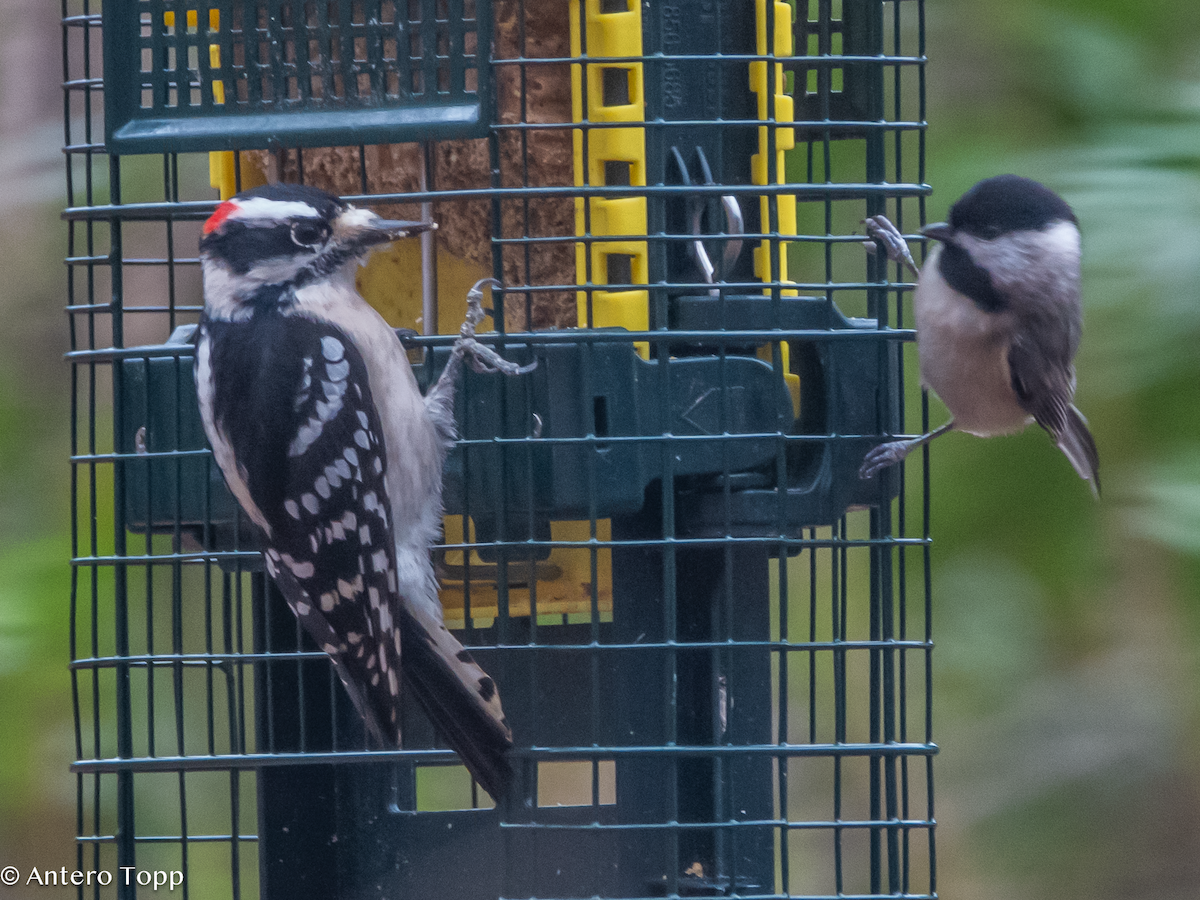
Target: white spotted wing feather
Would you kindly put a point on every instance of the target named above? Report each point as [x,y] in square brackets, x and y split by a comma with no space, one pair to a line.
[325,487]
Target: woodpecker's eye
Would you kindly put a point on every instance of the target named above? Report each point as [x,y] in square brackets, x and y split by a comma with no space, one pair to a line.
[309,234]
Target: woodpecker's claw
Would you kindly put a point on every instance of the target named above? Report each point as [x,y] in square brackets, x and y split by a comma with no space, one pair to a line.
[884,234]
[483,359]
[486,361]
[475,313]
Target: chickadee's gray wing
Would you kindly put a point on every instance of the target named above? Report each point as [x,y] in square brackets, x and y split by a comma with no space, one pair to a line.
[1044,387]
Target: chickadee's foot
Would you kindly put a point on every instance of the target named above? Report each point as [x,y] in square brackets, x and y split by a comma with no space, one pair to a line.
[883,456]
[894,451]
[483,359]
[884,234]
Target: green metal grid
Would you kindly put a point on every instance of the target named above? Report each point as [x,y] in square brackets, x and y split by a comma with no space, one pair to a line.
[184,76]
[179,655]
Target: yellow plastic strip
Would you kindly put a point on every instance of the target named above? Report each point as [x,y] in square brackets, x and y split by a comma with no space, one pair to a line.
[784,136]
[615,94]
[783,139]
[214,57]
[221,169]
[222,173]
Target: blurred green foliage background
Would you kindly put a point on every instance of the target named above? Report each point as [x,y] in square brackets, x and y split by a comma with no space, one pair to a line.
[1066,674]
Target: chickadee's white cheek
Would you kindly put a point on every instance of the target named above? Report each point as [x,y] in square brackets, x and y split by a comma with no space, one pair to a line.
[1028,261]
[1062,239]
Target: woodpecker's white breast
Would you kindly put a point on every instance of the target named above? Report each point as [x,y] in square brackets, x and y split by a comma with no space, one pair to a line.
[964,356]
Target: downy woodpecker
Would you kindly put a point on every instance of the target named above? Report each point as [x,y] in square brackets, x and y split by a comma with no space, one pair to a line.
[316,421]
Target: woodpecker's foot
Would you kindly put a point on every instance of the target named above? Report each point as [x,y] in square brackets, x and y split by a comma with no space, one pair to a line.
[475,313]
[884,234]
[883,456]
[486,361]
[483,359]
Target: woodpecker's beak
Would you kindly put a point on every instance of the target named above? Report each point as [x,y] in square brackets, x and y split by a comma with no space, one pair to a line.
[365,229]
[394,229]
[939,231]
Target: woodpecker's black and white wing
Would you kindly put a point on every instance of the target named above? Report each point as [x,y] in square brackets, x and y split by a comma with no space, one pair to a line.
[298,436]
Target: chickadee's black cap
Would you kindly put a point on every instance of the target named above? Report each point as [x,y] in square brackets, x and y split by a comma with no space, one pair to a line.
[1008,203]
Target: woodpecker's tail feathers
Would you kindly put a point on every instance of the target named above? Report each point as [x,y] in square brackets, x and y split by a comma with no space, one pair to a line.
[460,699]
[1077,443]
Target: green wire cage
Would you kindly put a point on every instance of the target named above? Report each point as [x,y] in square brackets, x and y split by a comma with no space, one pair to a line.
[712,638]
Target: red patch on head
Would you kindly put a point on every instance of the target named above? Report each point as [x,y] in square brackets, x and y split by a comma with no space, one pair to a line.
[224,211]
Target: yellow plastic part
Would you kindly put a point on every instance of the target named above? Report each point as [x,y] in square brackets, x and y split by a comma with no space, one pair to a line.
[192,18]
[214,50]
[387,283]
[564,580]
[222,174]
[214,54]
[790,378]
[615,34]
[777,105]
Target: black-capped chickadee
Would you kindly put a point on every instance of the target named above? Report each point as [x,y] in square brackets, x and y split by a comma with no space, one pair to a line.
[998,318]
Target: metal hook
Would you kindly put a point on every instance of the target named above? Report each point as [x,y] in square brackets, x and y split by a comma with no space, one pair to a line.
[734,223]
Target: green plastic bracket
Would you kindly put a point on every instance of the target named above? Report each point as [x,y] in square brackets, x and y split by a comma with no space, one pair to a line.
[589,430]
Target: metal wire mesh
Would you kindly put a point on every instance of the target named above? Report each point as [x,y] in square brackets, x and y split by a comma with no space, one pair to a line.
[713,641]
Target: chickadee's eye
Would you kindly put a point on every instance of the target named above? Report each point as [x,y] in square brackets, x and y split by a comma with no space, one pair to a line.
[309,234]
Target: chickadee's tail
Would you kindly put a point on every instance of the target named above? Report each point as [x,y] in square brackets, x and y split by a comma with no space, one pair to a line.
[460,699]
[1077,443]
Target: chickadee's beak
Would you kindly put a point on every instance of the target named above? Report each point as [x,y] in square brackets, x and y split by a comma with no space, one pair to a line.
[364,228]
[939,231]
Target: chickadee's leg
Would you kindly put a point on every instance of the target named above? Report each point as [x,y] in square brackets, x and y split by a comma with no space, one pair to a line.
[884,234]
[894,451]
